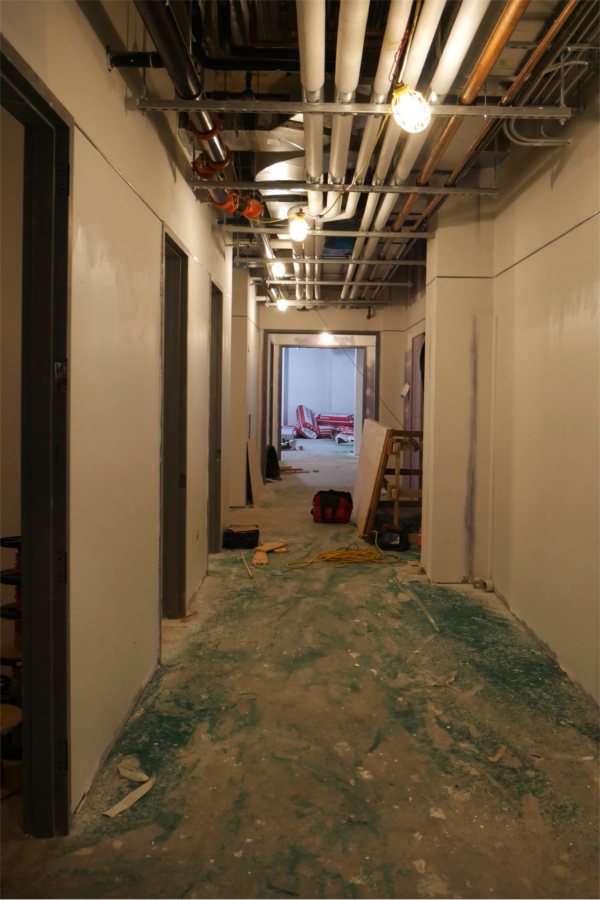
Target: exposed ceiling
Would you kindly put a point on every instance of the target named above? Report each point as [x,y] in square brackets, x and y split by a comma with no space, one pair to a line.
[299,93]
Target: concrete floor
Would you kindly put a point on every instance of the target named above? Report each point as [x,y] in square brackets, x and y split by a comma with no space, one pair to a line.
[338,732]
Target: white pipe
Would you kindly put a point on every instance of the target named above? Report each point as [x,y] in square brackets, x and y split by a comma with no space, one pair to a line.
[395,28]
[468,20]
[352,23]
[464,29]
[310,16]
[311,43]
[417,55]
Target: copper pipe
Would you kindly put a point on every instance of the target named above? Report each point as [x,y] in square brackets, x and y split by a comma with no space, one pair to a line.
[505,26]
[523,75]
[507,23]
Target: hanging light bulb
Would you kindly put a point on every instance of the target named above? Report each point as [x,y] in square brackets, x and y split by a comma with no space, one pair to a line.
[410,109]
[278,269]
[298,227]
[282,304]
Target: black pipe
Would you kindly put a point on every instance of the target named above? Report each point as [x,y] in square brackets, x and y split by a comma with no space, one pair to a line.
[159,21]
[133,60]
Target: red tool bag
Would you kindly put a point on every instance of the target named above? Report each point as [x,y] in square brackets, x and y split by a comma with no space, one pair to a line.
[332,507]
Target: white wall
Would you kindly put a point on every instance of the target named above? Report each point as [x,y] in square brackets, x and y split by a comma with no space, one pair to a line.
[526,281]
[546,535]
[129,181]
[114,464]
[456,458]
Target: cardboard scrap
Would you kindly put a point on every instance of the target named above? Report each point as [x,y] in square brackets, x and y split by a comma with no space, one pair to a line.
[271,545]
[130,798]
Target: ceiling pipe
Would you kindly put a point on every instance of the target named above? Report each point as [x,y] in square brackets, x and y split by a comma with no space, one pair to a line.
[486,133]
[462,34]
[158,19]
[352,23]
[500,36]
[393,39]
[490,127]
[311,42]
[415,60]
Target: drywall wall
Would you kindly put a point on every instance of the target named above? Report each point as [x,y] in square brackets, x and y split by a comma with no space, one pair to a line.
[456,457]
[129,179]
[114,456]
[11,200]
[546,435]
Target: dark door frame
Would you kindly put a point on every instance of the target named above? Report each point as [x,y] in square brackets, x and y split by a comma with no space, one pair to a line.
[45,647]
[174,431]
[215,399]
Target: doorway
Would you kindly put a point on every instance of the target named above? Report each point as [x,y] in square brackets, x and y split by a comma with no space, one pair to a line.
[215,420]
[42,450]
[174,431]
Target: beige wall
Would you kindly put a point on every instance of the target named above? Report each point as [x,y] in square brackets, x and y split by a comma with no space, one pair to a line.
[11,197]
[546,536]
[456,459]
[114,462]
[129,183]
[523,278]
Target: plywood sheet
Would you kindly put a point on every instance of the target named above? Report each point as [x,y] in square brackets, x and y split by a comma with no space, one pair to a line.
[256,480]
[372,461]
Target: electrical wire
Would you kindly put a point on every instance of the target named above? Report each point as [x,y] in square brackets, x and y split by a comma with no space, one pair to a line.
[345,556]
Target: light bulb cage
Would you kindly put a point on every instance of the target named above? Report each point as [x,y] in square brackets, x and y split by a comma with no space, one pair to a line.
[298,227]
[410,109]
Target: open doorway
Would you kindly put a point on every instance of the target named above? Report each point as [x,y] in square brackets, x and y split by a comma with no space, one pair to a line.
[35,220]
[290,376]
[174,431]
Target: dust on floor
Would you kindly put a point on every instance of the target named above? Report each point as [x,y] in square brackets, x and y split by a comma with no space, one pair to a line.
[339,732]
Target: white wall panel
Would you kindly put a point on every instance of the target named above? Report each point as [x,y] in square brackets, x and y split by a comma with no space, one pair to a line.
[114,491]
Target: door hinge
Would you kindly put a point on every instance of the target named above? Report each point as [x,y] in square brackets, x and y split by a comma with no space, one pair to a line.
[61,375]
[62,755]
[61,567]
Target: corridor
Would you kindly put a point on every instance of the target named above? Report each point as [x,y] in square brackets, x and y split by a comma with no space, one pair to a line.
[337,732]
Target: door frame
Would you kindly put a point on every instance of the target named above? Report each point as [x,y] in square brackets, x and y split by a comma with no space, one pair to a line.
[215,419]
[174,430]
[44,446]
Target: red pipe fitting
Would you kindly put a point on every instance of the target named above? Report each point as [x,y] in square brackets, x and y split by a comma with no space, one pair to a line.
[230,205]
[252,210]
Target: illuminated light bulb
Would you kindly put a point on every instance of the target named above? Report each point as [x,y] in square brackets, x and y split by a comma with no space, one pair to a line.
[325,337]
[410,109]
[433,97]
[298,227]
[282,304]
[278,269]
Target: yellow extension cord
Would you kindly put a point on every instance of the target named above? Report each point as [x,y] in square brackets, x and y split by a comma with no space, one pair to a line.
[343,557]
